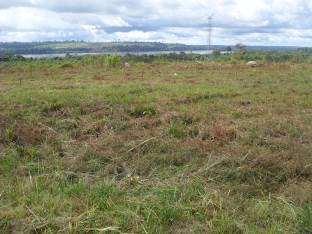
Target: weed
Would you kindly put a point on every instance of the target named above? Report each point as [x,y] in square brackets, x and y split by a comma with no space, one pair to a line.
[178,131]
[141,111]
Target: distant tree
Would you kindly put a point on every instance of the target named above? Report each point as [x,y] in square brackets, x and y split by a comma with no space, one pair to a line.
[228,49]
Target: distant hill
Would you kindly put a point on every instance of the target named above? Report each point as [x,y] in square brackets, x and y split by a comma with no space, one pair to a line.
[111,47]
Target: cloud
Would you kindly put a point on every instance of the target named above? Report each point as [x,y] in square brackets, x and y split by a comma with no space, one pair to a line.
[282,22]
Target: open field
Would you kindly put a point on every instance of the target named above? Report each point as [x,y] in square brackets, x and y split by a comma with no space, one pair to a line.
[214,148]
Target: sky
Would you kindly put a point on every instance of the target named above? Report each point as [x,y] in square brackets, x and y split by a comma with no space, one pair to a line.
[251,22]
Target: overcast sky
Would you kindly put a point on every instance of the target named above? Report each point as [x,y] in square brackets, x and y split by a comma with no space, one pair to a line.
[253,22]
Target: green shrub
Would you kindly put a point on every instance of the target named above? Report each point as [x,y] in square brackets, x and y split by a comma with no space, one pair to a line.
[113,61]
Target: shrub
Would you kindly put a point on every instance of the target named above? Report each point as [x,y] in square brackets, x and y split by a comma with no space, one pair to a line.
[113,61]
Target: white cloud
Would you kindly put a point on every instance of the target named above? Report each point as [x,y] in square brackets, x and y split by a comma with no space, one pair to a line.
[28,19]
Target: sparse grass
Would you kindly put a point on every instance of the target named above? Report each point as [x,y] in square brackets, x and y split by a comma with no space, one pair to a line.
[220,148]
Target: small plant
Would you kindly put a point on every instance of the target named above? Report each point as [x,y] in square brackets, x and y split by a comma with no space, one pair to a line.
[9,135]
[178,131]
[51,108]
[141,111]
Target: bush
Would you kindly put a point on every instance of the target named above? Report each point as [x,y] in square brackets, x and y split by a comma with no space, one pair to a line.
[113,61]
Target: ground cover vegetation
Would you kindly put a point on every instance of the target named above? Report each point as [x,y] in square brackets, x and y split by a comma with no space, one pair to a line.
[164,145]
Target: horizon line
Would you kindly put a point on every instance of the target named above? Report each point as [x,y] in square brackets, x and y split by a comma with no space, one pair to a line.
[169,43]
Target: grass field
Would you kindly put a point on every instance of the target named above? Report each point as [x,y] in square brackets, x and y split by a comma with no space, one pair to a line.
[164,147]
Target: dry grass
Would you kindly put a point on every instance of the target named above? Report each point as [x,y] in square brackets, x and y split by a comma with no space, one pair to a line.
[219,148]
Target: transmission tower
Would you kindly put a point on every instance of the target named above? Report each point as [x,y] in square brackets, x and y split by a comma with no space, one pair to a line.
[209,32]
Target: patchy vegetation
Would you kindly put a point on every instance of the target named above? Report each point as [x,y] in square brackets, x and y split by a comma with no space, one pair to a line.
[88,146]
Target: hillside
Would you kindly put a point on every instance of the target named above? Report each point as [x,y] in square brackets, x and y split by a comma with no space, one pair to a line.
[111,47]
